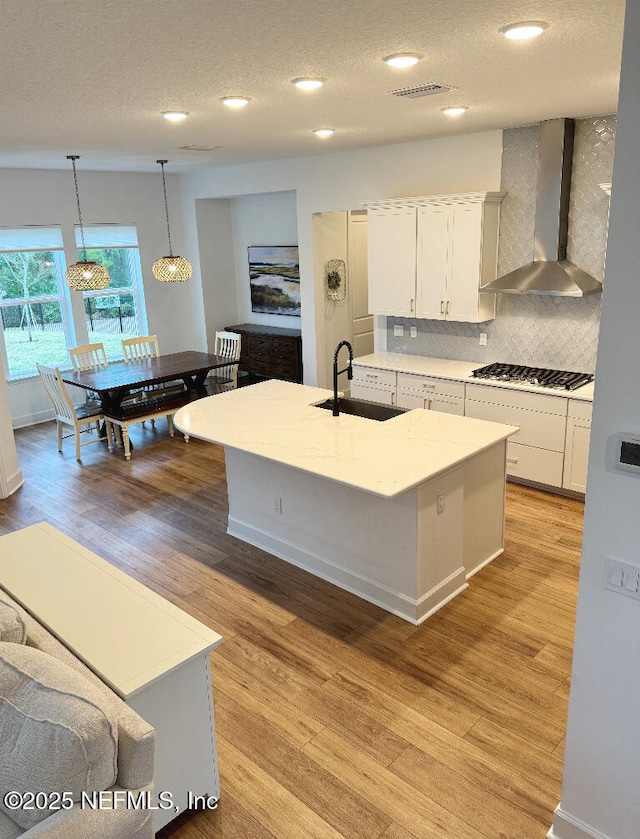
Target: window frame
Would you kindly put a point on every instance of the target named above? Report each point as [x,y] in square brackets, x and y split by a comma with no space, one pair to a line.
[62,298]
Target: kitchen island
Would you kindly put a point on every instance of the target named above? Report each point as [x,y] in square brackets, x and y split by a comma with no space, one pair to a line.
[400,512]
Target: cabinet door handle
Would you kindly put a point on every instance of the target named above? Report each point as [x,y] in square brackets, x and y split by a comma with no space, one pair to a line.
[424,403]
[393,397]
[448,307]
[512,460]
[412,304]
[430,403]
[442,307]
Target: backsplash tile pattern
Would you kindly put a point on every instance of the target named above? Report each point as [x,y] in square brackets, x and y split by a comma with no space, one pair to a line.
[537,330]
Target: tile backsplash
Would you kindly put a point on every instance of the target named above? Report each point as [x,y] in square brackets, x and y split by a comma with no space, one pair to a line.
[538,330]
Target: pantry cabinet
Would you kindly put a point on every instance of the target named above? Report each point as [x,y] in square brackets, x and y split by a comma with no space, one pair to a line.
[428,256]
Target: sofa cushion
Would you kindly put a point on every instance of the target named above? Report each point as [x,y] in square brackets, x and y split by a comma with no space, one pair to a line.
[54,734]
[12,626]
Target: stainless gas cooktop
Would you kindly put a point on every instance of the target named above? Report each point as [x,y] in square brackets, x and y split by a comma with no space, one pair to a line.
[559,379]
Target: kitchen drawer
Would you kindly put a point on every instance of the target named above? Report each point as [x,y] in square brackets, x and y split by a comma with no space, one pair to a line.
[375,376]
[373,392]
[532,464]
[429,401]
[430,384]
[284,370]
[518,399]
[546,431]
[283,346]
[580,409]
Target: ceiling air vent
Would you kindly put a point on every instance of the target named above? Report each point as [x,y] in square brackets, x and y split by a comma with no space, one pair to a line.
[196,147]
[427,89]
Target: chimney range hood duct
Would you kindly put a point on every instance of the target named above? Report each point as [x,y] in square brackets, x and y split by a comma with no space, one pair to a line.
[550,272]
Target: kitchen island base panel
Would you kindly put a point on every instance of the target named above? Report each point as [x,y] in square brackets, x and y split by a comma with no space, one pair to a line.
[404,554]
[484,508]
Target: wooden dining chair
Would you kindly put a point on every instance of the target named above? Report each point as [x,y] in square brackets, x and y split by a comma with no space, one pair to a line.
[143,346]
[227,345]
[88,356]
[76,416]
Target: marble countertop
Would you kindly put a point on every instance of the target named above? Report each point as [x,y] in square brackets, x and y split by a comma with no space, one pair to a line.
[278,420]
[458,371]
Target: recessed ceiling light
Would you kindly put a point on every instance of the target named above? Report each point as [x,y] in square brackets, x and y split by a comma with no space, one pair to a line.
[235,101]
[307,84]
[324,132]
[175,116]
[454,110]
[402,59]
[524,30]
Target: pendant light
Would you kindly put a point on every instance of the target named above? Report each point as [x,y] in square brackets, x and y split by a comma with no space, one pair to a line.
[170,269]
[84,276]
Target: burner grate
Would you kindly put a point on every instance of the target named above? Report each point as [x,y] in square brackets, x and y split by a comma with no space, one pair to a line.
[541,376]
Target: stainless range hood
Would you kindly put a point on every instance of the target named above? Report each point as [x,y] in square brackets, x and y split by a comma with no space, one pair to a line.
[550,272]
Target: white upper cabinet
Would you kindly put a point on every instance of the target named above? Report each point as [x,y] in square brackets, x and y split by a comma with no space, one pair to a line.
[428,256]
[392,260]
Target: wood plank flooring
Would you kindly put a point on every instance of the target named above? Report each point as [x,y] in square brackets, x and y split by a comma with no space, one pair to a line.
[334,718]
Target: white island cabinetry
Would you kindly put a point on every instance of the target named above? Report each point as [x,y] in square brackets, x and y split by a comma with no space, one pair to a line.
[400,512]
[429,255]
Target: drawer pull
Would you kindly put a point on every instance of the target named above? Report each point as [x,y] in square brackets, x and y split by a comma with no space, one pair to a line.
[372,375]
[512,460]
[431,387]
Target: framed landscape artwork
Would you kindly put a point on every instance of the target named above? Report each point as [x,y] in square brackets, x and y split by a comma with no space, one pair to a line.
[274,276]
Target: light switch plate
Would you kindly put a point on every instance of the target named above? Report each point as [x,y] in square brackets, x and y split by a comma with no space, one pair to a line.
[414,331]
[398,330]
[483,339]
[622,577]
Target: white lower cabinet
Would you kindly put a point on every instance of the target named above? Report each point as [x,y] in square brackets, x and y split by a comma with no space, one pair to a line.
[576,448]
[430,393]
[374,385]
[536,451]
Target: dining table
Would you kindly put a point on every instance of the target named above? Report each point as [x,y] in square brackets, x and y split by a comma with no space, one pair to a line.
[118,380]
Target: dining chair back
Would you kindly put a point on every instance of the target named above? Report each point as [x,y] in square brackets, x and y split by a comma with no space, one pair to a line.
[227,345]
[88,356]
[143,346]
[66,413]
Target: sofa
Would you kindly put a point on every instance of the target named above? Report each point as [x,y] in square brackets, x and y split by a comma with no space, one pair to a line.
[62,730]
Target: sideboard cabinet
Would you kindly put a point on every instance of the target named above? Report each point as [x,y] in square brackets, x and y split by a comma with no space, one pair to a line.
[270,352]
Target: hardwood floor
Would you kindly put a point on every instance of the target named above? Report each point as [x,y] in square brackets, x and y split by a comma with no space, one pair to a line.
[334,718]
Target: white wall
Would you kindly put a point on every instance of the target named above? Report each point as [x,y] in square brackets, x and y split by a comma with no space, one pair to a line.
[32,197]
[341,181]
[602,755]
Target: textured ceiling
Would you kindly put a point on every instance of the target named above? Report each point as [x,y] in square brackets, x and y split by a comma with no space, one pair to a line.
[91,77]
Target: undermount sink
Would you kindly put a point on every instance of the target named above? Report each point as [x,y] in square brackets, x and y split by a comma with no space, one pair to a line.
[363,408]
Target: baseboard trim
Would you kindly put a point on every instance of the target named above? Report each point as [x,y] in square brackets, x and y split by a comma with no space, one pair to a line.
[566,826]
[485,562]
[414,611]
[33,419]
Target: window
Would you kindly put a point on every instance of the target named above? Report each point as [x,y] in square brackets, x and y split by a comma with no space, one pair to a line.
[32,307]
[116,312]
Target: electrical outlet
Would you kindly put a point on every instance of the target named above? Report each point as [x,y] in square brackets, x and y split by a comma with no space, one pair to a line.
[483,339]
[441,503]
[622,577]
[414,331]
[277,504]
[398,330]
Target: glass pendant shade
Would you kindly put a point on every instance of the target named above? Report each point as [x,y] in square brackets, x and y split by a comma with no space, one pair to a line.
[84,275]
[87,276]
[170,269]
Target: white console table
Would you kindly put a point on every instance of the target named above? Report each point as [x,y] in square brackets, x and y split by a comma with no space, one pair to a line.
[152,654]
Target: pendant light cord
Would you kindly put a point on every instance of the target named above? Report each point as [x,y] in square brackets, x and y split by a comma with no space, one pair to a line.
[73,158]
[166,205]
